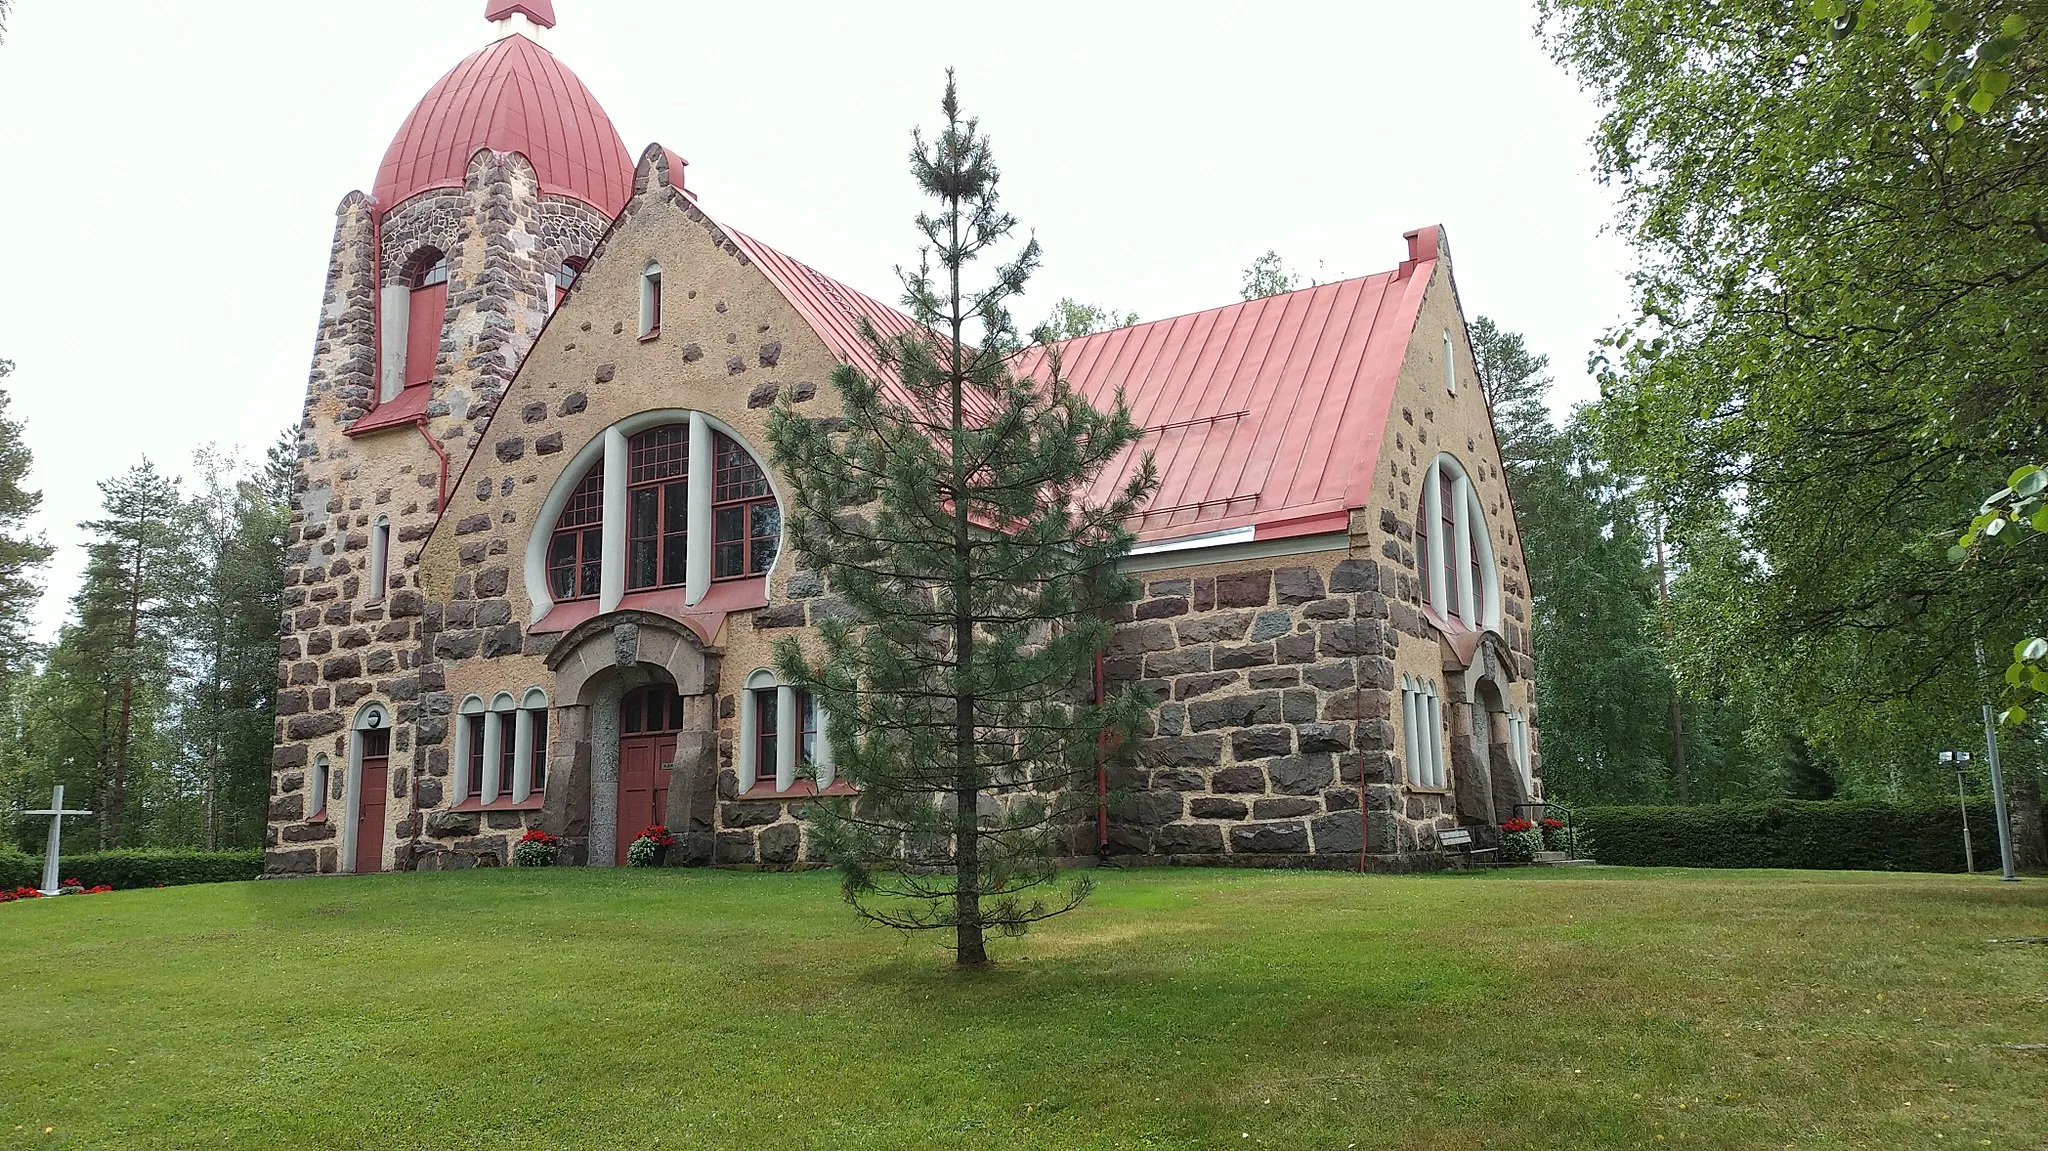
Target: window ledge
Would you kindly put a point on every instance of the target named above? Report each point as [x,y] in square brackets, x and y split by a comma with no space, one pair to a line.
[320,818]
[533,802]
[651,336]
[1417,789]
[801,789]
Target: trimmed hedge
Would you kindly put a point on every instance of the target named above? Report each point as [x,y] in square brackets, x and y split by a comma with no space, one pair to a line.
[1832,835]
[137,868]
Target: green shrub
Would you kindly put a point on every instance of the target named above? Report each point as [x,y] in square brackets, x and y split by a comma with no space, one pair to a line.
[1850,835]
[136,868]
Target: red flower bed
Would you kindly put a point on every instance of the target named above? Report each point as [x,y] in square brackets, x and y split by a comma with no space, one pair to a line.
[1517,824]
[658,835]
[536,835]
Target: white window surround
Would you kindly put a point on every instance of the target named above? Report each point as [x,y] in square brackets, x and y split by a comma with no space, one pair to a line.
[370,717]
[789,733]
[1483,602]
[396,317]
[316,787]
[611,447]
[1518,748]
[503,719]
[1422,727]
[380,559]
[650,300]
[1450,364]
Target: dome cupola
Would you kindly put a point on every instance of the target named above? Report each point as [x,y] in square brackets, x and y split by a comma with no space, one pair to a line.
[513,96]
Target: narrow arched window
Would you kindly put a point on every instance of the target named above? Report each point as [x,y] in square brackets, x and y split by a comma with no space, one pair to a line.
[565,279]
[746,524]
[1453,551]
[469,750]
[650,302]
[576,552]
[316,788]
[380,559]
[426,278]
[658,508]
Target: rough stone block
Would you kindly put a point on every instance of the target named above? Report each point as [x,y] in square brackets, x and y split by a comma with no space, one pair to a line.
[1331,676]
[1297,585]
[778,844]
[1191,686]
[1271,678]
[1271,625]
[1244,779]
[1141,638]
[1182,751]
[748,814]
[341,667]
[780,616]
[1261,742]
[1301,774]
[1346,638]
[1181,662]
[1244,589]
[1269,838]
[1178,779]
[1162,608]
[1243,655]
[1355,576]
[1235,711]
[1322,609]
[1219,627]
[1290,807]
[1188,839]
[1298,705]
[1216,807]
[1339,833]
[450,824]
[1316,737]
[1178,587]
[733,847]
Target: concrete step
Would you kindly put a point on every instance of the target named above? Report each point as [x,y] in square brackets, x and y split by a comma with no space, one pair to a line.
[1549,857]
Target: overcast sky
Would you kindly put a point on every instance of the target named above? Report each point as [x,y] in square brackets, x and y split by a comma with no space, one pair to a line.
[169,172]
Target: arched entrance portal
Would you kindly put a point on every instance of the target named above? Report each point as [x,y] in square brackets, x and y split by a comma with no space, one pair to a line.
[650,719]
[635,739]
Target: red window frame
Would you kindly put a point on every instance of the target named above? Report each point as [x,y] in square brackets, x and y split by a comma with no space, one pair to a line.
[767,726]
[475,766]
[1447,494]
[656,709]
[427,310]
[658,508]
[746,522]
[572,270]
[539,781]
[508,753]
[1422,564]
[807,733]
[576,550]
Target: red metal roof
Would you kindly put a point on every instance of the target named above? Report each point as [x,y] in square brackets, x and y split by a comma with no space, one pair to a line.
[1268,412]
[541,12]
[513,96]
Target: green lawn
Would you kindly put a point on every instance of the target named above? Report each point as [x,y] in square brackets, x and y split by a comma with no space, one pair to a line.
[1179,1009]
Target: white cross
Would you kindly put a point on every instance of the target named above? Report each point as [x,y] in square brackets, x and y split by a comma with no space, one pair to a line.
[56,813]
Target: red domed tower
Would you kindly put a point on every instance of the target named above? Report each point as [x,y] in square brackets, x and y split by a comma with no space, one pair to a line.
[492,195]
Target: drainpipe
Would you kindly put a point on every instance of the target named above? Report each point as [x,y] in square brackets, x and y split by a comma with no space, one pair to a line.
[376,306]
[421,424]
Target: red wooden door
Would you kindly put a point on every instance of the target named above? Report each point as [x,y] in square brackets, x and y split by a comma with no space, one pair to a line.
[371,799]
[648,722]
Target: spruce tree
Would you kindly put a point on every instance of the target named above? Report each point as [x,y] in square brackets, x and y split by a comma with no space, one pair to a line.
[957,522]
[22,553]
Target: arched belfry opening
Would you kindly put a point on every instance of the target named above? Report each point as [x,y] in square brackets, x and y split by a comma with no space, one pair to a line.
[635,738]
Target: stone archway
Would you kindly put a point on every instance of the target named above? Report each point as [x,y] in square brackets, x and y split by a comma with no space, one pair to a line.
[1478,667]
[595,665]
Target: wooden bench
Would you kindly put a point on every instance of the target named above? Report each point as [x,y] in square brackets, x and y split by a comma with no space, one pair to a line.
[1460,840]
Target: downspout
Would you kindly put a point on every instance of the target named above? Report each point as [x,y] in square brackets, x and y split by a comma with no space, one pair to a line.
[421,424]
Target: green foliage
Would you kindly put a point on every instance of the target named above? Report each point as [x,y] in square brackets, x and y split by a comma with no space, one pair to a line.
[1843,322]
[1071,319]
[2017,512]
[1520,846]
[122,870]
[640,853]
[954,515]
[1515,381]
[1854,835]
[22,553]
[1267,276]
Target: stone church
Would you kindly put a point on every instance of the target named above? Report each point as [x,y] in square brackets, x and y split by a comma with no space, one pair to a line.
[535,569]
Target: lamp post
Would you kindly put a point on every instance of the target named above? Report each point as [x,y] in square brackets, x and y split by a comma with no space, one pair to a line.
[1997,780]
[1961,761]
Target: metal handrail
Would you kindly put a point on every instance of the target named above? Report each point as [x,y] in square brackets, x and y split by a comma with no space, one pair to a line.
[1571,833]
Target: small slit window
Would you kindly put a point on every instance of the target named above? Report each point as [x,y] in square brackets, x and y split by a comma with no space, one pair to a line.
[650,302]
[380,560]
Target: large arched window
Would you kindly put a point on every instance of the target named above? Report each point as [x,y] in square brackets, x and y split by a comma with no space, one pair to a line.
[658,508]
[575,552]
[664,501]
[745,519]
[1453,550]
[413,310]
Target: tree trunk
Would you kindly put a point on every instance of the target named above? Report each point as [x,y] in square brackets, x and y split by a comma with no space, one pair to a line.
[968,947]
[117,808]
[2029,842]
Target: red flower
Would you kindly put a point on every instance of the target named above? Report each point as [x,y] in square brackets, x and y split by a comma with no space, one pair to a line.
[1517,824]
[1554,824]
[536,835]
[658,834]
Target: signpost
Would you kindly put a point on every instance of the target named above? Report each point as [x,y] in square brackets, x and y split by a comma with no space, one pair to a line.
[1961,762]
[56,813]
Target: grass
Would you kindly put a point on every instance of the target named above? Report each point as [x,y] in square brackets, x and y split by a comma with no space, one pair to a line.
[1179,1009]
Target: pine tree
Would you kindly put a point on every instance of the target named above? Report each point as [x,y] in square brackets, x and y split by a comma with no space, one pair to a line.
[114,662]
[22,554]
[1514,380]
[228,633]
[952,519]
